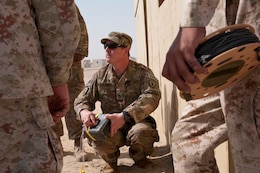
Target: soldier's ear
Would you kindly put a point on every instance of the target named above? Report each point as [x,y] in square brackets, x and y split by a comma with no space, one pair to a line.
[127,50]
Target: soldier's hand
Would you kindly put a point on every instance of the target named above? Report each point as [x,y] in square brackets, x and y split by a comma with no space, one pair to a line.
[180,58]
[117,121]
[59,102]
[88,118]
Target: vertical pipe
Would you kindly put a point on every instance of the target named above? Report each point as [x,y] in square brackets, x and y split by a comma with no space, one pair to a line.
[146,32]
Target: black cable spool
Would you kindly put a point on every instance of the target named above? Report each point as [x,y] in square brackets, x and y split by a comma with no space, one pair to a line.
[226,54]
[223,42]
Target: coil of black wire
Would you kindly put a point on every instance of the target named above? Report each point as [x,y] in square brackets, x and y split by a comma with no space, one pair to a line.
[223,42]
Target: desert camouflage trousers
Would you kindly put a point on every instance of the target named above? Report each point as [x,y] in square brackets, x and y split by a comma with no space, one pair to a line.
[202,128]
[196,134]
[241,105]
[75,86]
[140,137]
[28,143]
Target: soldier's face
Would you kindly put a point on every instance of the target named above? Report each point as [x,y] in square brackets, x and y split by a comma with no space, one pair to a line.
[114,53]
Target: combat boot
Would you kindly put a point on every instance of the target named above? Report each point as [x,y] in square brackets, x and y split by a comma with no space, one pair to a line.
[79,152]
[144,163]
[110,167]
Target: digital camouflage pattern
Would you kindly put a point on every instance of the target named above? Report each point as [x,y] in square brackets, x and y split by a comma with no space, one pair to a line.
[196,134]
[200,12]
[137,92]
[193,143]
[75,85]
[37,43]
[240,102]
[20,46]
[28,143]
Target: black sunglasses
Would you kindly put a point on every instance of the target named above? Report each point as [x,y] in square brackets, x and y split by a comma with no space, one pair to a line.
[112,46]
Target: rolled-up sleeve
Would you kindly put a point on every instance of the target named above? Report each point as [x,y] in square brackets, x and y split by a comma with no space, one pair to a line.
[59,34]
[198,13]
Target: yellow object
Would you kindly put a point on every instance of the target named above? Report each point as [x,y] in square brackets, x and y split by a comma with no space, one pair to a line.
[90,136]
[82,171]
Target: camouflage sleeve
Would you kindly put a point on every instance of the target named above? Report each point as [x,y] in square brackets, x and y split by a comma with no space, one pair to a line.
[87,98]
[198,13]
[148,101]
[82,48]
[58,29]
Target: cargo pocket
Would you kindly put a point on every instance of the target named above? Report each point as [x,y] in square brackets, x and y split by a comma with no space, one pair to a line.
[42,115]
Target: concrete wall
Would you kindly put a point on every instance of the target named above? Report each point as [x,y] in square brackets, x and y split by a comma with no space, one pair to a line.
[156,27]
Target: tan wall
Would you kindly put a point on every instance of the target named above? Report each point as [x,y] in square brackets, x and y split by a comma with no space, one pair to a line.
[156,27]
[154,33]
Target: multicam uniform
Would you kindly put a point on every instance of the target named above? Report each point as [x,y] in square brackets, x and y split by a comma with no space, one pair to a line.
[137,92]
[37,42]
[75,85]
[239,102]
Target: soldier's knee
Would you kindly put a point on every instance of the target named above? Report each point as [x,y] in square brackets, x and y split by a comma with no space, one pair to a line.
[176,137]
[143,136]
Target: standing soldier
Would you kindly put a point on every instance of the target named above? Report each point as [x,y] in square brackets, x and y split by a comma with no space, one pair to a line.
[37,42]
[75,86]
[128,92]
[239,102]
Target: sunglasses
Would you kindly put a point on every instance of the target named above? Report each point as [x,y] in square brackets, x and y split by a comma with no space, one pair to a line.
[112,46]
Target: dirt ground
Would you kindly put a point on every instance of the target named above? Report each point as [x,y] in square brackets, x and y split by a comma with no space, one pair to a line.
[161,157]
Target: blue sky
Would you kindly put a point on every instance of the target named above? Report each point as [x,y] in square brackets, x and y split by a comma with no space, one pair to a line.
[104,16]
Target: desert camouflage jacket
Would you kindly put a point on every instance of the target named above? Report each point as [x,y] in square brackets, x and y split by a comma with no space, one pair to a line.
[37,42]
[136,91]
[82,48]
[200,12]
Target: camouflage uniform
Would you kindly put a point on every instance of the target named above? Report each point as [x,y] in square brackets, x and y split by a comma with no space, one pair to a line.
[37,42]
[240,103]
[193,143]
[137,92]
[75,85]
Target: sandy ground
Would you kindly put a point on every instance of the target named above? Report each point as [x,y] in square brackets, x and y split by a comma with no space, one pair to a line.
[161,157]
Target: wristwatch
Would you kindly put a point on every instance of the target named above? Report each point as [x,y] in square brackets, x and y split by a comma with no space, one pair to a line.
[127,117]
